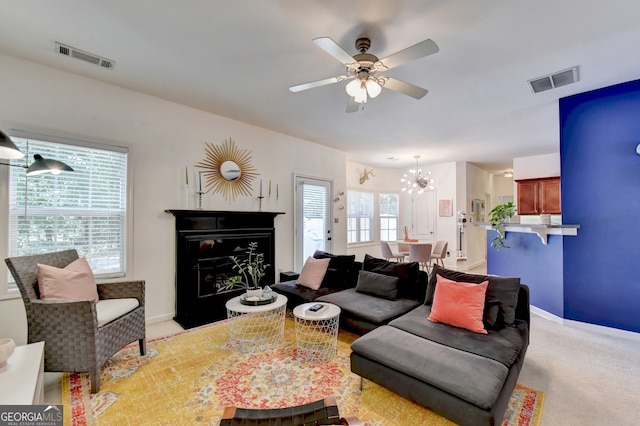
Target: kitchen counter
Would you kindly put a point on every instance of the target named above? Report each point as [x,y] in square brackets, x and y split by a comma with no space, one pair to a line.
[542,230]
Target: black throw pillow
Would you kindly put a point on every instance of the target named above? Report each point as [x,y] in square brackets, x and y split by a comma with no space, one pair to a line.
[500,300]
[339,271]
[407,273]
[378,285]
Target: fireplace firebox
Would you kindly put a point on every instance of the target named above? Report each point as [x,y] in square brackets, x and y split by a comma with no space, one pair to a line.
[205,243]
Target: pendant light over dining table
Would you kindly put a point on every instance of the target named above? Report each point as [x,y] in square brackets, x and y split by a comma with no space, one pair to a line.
[416,180]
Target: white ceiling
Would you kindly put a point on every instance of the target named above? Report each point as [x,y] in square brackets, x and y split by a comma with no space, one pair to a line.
[237,58]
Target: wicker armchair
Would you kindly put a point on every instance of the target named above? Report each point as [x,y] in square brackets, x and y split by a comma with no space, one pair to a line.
[73,339]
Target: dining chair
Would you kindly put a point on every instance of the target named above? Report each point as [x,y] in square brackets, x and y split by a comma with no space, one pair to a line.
[439,252]
[404,248]
[421,253]
[388,254]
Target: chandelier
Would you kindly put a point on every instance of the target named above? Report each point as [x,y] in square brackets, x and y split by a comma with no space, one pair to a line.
[415,180]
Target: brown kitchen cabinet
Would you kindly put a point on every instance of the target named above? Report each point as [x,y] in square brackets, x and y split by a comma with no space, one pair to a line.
[539,196]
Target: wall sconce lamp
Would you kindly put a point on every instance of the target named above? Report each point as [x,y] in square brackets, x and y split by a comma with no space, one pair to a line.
[638,149]
[40,165]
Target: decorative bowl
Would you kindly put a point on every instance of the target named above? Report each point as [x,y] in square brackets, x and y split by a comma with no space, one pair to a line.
[6,350]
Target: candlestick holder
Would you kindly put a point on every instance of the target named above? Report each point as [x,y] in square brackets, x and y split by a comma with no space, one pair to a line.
[260,198]
[199,203]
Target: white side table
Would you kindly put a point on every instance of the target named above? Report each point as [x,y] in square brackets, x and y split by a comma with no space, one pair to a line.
[255,328]
[316,334]
[22,383]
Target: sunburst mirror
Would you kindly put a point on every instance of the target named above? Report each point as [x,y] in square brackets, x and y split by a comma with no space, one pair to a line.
[227,170]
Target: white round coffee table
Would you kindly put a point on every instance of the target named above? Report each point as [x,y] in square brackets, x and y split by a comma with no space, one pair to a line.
[316,333]
[253,328]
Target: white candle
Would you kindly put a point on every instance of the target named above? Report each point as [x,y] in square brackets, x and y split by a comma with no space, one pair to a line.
[260,187]
[200,179]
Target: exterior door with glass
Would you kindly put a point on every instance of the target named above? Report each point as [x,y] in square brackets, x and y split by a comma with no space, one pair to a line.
[313,218]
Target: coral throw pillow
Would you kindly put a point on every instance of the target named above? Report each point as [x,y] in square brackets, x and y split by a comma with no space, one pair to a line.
[459,304]
[313,272]
[74,281]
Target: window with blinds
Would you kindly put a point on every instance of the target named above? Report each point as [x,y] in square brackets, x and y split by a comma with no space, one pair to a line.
[388,217]
[360,216]
[84,209]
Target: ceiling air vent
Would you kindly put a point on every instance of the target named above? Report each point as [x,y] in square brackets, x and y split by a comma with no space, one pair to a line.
[551,81]
[84,56]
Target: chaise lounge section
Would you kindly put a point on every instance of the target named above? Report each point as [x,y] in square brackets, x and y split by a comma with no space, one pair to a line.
[465,376]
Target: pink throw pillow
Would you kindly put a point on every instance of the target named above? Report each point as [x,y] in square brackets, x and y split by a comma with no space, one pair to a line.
[75,281]
[459,304]
[313,272]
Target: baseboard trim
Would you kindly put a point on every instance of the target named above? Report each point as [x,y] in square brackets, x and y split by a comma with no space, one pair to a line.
[159,318]
[593,328]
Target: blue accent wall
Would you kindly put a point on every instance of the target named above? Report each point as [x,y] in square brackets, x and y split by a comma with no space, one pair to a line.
[600,170]
[539,266]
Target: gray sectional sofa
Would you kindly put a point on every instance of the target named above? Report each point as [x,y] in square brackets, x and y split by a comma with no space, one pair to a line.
[462,375]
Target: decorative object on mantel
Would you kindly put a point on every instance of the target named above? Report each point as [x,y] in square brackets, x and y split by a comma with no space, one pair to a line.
[416,181]
[228,170]
[366,175]
[498,216]
[250,269]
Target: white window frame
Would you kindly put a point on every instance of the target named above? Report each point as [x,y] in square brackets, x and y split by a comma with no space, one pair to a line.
[8,289]
[380,218]
[359,217]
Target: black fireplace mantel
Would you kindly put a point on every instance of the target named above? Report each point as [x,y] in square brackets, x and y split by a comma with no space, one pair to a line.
[205,240]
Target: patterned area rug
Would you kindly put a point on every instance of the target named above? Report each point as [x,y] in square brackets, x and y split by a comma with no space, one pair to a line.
[189,378]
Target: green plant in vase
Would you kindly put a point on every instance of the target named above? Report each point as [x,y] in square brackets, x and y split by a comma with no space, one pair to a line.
[498,216]
[250,270]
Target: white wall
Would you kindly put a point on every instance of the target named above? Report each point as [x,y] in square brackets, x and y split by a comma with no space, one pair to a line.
[163,138]
[537,166]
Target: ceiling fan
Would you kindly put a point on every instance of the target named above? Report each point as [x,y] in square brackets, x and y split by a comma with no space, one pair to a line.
[363,67]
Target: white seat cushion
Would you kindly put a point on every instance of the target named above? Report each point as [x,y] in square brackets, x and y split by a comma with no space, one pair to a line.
[110,309]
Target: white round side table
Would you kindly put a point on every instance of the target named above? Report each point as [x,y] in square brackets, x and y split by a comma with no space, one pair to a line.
[254,328]
[316,333]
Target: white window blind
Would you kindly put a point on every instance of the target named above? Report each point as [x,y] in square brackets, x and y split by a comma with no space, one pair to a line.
[388,217]
[84,209]
[359,216]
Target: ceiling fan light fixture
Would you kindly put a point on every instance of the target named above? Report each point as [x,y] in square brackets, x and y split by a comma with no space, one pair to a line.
[373,88]
[354,88]
[361,98]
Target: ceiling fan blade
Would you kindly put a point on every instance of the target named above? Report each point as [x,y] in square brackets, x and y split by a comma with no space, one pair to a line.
[319,83]
[411,53]
[333,49]
[404,87]
[352,105]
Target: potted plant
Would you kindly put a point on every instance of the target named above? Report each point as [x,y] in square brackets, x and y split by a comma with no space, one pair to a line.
[498,216]
[250,269]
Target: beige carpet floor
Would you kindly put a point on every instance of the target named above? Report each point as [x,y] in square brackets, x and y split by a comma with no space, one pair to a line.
[589,378]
